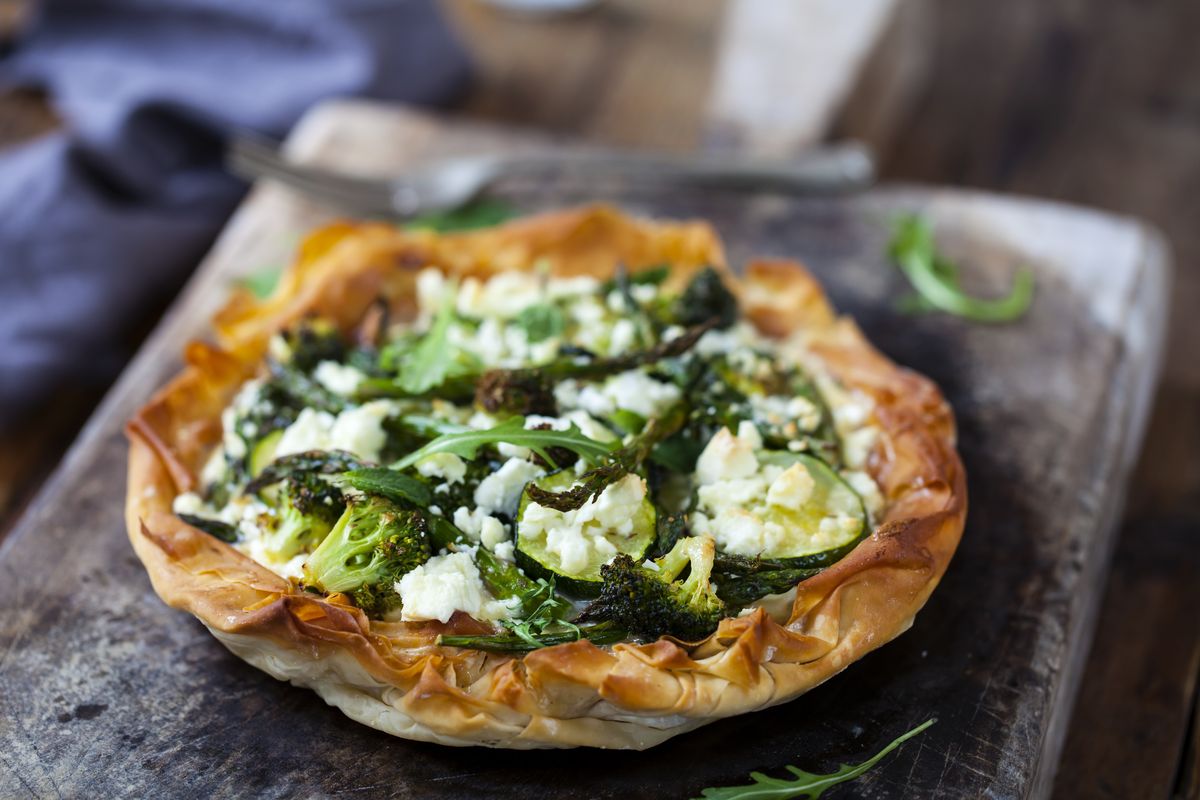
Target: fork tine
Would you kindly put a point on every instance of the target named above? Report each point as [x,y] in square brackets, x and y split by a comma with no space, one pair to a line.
[251,158]
[342,188]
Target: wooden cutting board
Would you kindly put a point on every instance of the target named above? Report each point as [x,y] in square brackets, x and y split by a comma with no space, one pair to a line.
[106,692]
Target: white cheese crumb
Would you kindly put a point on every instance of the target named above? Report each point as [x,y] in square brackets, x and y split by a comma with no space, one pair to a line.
[443,585]
[578,537]
[505,551]
[310,431]
[187,503]
[500,492]
[443,465]
[727,457]
[792,489]
[633,391]
[360,430]
[339,378]
[356,430]
[867,489]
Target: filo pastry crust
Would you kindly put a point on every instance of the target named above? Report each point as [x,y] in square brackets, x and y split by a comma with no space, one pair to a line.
[392,676]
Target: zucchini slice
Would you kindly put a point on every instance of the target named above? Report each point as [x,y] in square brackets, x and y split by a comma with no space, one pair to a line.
[831,497]
[263,452]
[536,559]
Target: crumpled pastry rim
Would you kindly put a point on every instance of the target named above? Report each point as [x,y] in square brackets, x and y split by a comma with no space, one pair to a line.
[391,675]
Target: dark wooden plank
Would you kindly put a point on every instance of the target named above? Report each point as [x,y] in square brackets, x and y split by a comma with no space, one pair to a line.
[1094,102]
[109,692]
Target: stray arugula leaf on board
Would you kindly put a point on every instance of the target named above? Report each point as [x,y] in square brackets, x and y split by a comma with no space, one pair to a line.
[936,281]
[512,431]
[262,283]
[805,785]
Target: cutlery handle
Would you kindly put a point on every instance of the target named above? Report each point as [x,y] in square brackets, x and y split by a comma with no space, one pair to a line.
[843,167]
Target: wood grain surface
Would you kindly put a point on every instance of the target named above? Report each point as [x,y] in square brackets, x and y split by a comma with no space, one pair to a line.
[109,692]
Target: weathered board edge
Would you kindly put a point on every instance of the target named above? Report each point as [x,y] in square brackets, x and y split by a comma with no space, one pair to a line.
[1130,411]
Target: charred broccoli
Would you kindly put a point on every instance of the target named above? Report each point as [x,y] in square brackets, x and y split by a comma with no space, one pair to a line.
[706,298]
[310,507]
[649,601]
[372,545]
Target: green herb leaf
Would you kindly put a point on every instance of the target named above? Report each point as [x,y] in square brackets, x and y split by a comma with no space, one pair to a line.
[541,321]
[262,283]
[936,281]
[545,617]
[426,365]
[213,527]
[387,483]
[805,784]
[480,214]
[654,276]
[512,431]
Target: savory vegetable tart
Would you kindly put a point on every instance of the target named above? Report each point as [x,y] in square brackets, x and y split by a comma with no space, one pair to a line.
[566,481]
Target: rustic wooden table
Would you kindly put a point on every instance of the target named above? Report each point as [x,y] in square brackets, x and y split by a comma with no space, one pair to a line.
[1080,100]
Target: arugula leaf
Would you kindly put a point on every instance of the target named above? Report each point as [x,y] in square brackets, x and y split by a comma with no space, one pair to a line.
[480,214]
[541,321]
[213,527]
[805,784]
[262,283]
[512,431]
[432,426]
[599,633]
[548,610]
[426,365]
[387,483]
[936,280]
[649,277]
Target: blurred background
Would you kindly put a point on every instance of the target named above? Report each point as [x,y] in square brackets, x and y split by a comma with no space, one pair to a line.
[1095,102]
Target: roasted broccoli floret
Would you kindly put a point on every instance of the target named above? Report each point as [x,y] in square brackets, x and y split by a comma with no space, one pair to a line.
[652,602]
[310,507]
[372,545]
[706,298]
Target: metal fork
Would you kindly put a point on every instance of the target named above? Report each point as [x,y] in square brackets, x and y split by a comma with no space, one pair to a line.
[451,183]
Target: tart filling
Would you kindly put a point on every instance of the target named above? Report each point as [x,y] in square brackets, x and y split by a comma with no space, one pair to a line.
[559,457]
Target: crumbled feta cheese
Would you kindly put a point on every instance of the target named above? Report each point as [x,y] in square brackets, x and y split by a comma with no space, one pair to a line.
[187,503]
[867,489]
[501,491]
[443,585]
[579,537]
[644,293]
[633,391]
[792,489]
[431,288]
[560,288]
[504,295]
[505,551]
[857,446]
[235,446]
[310,431]
[492,532]
[480,526]
[356,430]
[727,457]
[339,378]
[443,465]
[623,337]
[360,430]
[779,411]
